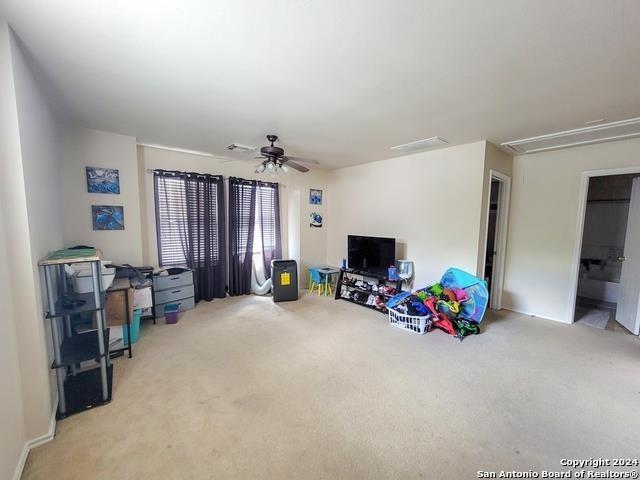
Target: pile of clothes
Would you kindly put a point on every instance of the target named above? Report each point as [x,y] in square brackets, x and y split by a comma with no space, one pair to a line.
[455,305]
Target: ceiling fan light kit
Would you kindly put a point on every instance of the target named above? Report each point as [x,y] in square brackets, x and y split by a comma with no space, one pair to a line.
[274,159]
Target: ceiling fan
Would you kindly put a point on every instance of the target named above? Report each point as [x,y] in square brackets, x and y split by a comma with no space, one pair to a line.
[274,159]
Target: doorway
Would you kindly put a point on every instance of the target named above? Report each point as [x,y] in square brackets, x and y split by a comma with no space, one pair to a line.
[496,236]
[607,285]
[490,253]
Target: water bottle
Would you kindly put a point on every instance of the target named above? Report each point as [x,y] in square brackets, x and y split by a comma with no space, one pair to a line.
[393,274]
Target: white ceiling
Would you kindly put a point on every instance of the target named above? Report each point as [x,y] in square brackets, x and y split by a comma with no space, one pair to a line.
[339,81]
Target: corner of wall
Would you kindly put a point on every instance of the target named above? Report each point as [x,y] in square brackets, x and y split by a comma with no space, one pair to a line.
[28,140]
[36,442]
[144,231]
[493,159]
[85,147]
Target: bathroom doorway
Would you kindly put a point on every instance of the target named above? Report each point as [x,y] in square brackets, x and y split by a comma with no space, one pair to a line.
[606,286]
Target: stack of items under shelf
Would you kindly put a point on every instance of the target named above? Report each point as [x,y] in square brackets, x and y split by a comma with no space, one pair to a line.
[366,293]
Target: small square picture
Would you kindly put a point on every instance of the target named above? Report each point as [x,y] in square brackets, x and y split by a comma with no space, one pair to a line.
[103,180]
[315,220]
[315,196]
[107,217]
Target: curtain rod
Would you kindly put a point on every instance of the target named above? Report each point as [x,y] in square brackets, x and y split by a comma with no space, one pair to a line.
[150,171]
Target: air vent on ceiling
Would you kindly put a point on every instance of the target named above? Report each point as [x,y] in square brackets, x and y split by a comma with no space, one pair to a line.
[604,132]
[425,144]
[238,147]
[175,149]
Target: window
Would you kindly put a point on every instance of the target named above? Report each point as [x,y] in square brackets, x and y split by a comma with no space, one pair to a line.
[189,218]
[245,214]
[191,228]
[171,220]
[254,230]
[266,216]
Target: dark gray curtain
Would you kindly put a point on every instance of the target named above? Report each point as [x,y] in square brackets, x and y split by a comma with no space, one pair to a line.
[242,216]
[206,234]
[268,215]
[191,228]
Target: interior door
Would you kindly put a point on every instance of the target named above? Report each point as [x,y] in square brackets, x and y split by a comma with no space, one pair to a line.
[627,312]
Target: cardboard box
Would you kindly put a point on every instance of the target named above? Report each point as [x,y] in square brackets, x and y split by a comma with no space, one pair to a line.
[115,308]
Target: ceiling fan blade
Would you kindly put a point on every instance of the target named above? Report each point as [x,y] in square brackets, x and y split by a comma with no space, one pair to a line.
[295,166]
[308,161]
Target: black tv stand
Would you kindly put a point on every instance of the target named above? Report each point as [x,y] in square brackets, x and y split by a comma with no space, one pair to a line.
[382,280]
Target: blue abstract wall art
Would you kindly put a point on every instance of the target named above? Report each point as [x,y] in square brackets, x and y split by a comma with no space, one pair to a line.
[103,180]
[107,217]
[315,196]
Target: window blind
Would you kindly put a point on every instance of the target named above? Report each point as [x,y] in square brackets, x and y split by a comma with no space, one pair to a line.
[266,215]
[171,220]
[244,197]
[204,216]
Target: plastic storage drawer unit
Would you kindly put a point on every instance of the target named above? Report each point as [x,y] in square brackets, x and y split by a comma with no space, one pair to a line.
[176,288]
[284,276]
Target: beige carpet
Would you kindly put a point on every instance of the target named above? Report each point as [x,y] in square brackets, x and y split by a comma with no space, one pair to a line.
[247,389]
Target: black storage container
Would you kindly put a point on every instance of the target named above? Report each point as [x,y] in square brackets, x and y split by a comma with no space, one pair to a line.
[284,276]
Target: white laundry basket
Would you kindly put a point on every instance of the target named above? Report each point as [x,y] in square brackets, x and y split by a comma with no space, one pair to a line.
[415,324]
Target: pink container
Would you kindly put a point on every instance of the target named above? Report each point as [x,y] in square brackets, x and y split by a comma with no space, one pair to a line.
[171,311]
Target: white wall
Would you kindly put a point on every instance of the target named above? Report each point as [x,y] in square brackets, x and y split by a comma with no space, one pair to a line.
[82,148]
[429,202]
[41,168]
[30,218]
[603,238]
[12,432]
[605,228]
[543,224]
[12,413]
[308,243]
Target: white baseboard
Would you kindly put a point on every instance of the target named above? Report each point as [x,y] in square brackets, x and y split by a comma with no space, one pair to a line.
[36,442]
[21,461]
[530,314]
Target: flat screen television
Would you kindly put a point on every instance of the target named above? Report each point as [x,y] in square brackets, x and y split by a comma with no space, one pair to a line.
[371,254]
